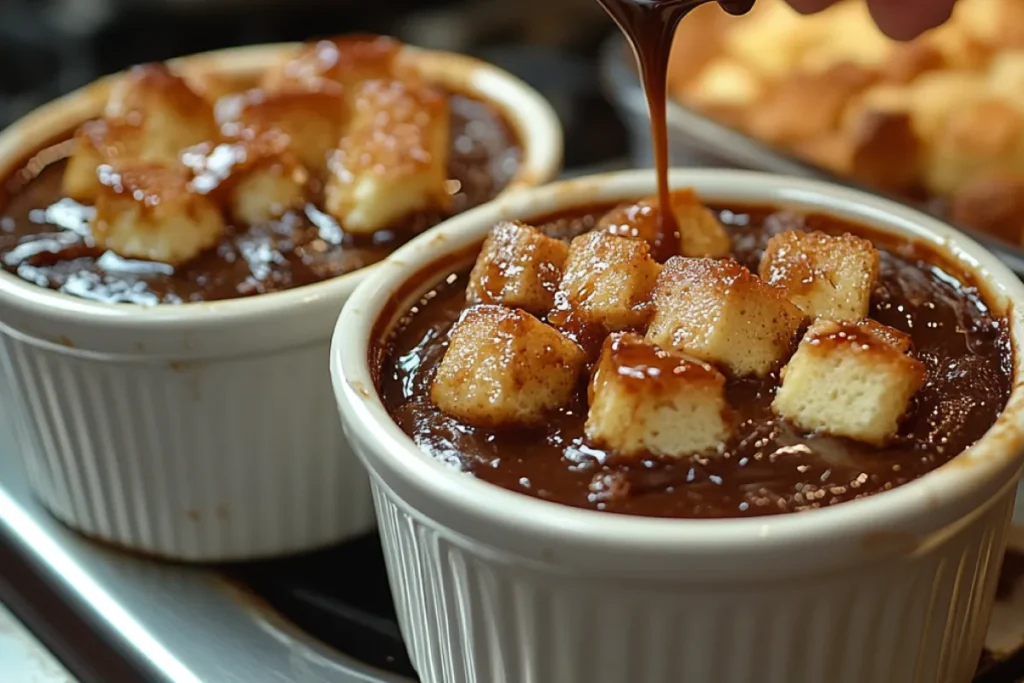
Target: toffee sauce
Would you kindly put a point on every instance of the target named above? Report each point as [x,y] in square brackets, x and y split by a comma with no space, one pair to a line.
[767,467]
[45,239]
[649,27]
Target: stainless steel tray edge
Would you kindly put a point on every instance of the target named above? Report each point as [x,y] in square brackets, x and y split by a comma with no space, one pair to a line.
[175,623]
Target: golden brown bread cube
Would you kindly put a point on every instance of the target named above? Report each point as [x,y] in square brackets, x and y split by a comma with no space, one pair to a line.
[147,210]
[699,230]
[724,83]
[607,281]
[344,62]
[982,137]
[259,179]
[880,148]
[393,159]
[519,267]
[151,115]
[850,379]
[806,106]
[825,276]
[505,368]
[993,203]
[312,120]
[96,143]
[170,115]
[720,312]
[998,23]
[267,190]
[648,401]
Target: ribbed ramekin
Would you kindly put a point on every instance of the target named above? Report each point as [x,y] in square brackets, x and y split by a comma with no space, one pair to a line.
[491,585]
[207,431]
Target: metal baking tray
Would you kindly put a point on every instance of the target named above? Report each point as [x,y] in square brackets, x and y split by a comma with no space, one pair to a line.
[696,140]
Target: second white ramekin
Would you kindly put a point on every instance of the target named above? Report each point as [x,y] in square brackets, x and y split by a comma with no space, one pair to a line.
[204,432]
[491,585]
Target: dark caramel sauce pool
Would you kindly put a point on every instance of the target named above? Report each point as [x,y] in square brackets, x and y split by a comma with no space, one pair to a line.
[767,467]
[45,239]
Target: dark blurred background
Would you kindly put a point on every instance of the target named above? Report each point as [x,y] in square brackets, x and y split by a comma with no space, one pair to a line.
[48,47]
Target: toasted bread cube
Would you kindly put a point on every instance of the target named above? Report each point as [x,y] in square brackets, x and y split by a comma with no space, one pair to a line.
[170,115]
[978,138]
[344,62]
[149,211]
[825,276]
[258,179]
[805,105]
[81,182]
[992,203]
[699,230]
[647,401]
[268,190]
[607,281]
[312,120]
[725,82]
[151,115]
[722,313]
[519,267]
[850,379]
[505,368]
[393,160]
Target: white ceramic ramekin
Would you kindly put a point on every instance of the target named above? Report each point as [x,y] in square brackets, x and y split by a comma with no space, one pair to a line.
[204,432]
[495,586]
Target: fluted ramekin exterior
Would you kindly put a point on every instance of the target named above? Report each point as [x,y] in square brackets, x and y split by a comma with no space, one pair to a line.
[492,585]
[205,431]
[223,459]
[469,613]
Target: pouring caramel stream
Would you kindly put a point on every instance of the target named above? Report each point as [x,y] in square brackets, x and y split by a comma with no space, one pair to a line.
[649,26]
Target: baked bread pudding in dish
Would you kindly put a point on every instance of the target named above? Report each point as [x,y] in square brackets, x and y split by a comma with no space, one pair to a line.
[779,361]
[790,460]
[939,119]
[176,242]
[189,188]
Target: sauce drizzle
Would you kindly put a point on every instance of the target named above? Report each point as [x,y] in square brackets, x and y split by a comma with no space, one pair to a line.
[649,26]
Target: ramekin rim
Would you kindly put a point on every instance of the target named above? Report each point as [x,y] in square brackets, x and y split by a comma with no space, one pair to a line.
[531,117]
[939,497]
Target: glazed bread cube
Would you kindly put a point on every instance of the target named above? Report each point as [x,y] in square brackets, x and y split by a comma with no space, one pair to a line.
[722,313]
[151,115]
[169,115]
[312,120]
[607,281]
[647,401]
[850,379]
[267,190]
[519,267]
[505,368]
[259,180]
[700,232]
[339,64]
[825,276]
[96,143]
[393,159]
[148,211]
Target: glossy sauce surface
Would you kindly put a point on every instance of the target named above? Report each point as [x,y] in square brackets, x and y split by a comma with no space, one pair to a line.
[767,467]
[44,238]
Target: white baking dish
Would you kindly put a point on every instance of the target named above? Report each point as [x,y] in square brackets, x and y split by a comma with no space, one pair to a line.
[491,585]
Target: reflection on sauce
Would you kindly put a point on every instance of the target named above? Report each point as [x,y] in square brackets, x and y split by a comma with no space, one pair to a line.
[649,26]
[767,466]
[45,239]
